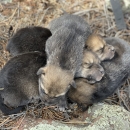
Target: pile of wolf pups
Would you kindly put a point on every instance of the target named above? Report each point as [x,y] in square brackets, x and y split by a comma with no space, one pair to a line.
[67,61]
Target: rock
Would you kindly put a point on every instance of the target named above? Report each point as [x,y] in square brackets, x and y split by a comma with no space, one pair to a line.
[109,117]
[102,117]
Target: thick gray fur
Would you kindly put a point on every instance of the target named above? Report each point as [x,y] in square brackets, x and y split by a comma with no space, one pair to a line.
[72,21]
[65,49]
[65,46]
[19,79]
[118,65]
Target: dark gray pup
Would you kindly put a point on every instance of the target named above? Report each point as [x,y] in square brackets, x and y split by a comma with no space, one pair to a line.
[19,81]
[117,71]
[64,56]
[72,21]
[28,39]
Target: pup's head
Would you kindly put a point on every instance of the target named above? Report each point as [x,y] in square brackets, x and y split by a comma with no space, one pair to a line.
[55,82]
[98,45]
[91,68]
[82,94]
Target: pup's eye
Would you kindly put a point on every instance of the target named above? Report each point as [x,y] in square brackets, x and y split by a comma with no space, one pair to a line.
[101,50]
[43,74]
[90,65]
[89,78]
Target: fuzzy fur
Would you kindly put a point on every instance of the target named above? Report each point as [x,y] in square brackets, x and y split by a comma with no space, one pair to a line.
[19,79]
[28,39]
[64,54]
[72,21]
[117,71]
[90,68]
[97,44]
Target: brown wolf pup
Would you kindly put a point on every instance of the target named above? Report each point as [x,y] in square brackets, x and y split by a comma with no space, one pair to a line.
[90,68]
[98,45]
[116,72]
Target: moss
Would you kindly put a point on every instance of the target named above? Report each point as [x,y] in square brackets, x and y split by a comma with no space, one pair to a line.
[54,126]
[110,117]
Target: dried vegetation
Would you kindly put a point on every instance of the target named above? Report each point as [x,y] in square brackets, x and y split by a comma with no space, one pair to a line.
[22,13]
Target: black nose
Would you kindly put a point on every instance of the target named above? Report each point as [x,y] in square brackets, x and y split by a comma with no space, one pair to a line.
[102,71]
[111,48]
[89,78]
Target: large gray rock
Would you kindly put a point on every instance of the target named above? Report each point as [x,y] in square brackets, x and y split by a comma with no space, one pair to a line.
[102,117]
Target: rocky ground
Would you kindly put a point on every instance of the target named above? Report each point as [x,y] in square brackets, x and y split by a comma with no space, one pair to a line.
[15,14]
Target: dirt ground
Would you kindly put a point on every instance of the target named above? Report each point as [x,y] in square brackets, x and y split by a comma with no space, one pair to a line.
[22,13]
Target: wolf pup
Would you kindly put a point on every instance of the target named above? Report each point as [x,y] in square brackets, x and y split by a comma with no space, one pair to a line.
[86,94]
[64,55]
[19,81]
[90,68]
[81,27]
[28,39]
[98,45]
[116,72]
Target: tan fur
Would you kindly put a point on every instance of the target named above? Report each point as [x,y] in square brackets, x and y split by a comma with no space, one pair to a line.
[55,81]
[81,94]
[90,58]
[98,45]
[91,68]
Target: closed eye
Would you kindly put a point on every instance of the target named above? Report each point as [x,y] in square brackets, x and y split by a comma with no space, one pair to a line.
[90,65]
[101,50]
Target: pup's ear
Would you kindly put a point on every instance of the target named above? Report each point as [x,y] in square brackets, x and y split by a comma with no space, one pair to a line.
[73,84]
[41,71]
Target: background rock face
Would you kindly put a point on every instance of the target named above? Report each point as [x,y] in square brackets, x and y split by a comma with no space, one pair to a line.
[103,117]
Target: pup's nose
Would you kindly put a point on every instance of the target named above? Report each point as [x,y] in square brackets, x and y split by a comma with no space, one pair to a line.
[102,71]
[111,48]
[89,77]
